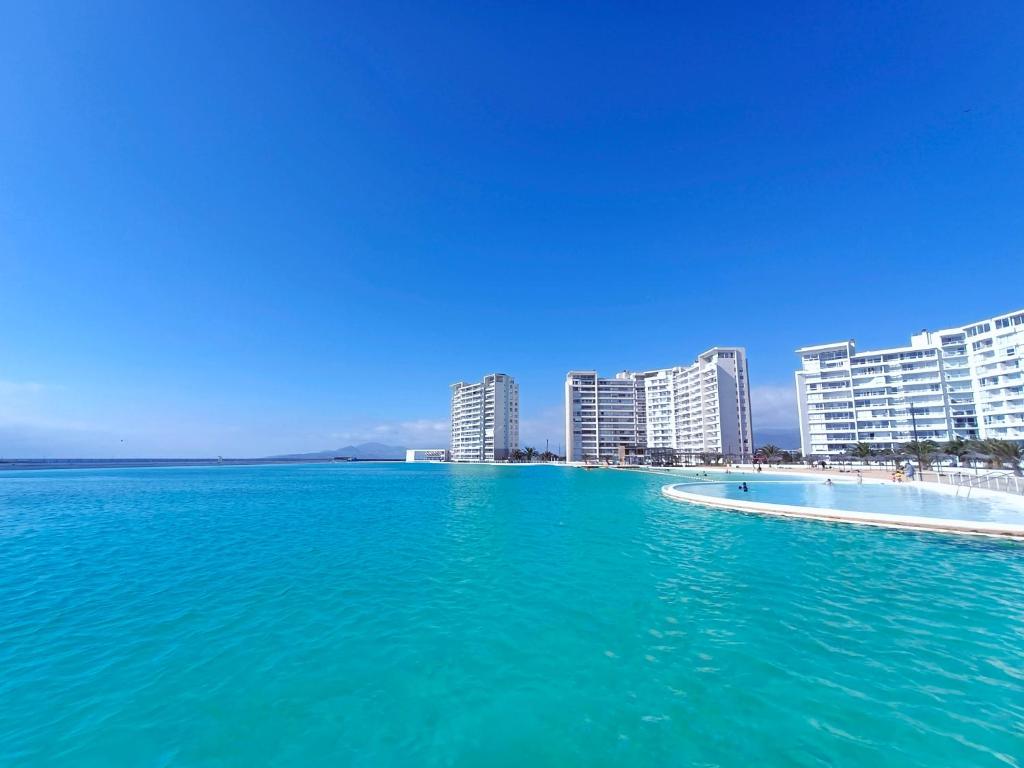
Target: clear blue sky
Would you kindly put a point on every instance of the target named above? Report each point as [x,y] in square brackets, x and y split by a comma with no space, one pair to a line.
[242,230]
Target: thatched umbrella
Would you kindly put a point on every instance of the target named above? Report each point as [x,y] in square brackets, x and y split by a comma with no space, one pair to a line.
[899,458]
[974,457]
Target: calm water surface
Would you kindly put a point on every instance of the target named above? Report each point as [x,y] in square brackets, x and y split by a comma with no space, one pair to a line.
[391,615]
[889,498]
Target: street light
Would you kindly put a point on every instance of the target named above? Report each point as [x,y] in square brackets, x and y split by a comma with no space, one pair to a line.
[913,423]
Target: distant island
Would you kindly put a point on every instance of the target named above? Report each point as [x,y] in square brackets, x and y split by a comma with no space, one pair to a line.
[362,451]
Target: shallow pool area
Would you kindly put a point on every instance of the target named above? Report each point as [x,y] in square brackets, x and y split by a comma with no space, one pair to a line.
[865,502]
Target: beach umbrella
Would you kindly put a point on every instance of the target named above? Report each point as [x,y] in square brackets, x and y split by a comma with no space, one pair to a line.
[974,457]
[899,458]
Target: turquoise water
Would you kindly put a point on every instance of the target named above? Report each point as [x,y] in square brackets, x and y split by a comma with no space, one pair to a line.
[888,498]
[430,615]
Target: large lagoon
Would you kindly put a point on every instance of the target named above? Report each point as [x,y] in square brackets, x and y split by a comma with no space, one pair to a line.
[438,615]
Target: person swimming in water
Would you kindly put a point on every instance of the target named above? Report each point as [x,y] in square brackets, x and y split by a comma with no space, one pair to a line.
[743,487]
[829,481]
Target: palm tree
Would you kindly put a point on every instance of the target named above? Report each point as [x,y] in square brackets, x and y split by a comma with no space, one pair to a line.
[529,453]
[1003,452]
[516,455]
[769,453]
[922,450]
[861,450]
[1013,453]
[548,456]
[958,448]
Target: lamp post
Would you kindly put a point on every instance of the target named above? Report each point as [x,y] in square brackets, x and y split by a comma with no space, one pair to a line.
[913,422]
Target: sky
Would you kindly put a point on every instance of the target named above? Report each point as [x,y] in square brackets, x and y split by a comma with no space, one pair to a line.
[243,229]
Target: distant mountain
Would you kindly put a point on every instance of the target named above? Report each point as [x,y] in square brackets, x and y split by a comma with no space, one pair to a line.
[787,438]
[361,451]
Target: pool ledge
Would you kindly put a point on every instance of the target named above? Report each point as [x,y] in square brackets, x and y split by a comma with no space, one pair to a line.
[969,527]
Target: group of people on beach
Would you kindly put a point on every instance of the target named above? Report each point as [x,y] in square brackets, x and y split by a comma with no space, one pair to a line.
[900,474]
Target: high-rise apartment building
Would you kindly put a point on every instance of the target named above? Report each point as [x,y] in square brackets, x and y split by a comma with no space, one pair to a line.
[699,408]
[959,382]
[485,419]
[601,414]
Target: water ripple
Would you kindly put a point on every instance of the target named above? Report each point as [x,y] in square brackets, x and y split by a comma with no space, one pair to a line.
[437,615]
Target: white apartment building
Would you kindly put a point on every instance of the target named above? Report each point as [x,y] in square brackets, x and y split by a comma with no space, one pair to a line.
[959,382]
[602,414]
[699,408]
[485,419]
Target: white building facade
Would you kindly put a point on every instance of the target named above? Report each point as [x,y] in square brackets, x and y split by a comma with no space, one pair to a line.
[602,415]
[700,408]
[963,382]
[426,454]
[485,419]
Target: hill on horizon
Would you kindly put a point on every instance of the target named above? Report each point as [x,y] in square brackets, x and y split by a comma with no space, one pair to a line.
[361,451]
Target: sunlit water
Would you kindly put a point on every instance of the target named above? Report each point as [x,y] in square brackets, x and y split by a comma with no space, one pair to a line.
[888,498]
[425,615]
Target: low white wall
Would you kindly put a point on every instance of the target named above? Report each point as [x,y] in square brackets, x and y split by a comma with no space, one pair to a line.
[982,528]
